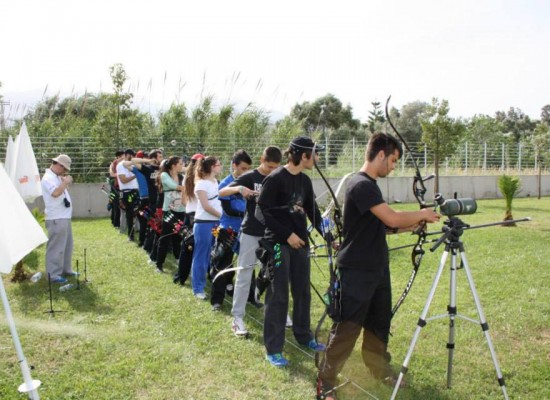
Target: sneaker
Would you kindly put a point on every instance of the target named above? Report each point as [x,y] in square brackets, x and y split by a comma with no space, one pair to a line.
[238,327]
[159,271]
[316,346]
[288,321]
[277,360]
[60,280]
[200,296]
[72,273]
[216,307]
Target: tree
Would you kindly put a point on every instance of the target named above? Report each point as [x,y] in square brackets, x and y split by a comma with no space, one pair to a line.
[509,186]
[408,120]
[172,125]
[376,118]
[516,124]
[333,115]
[440,133]
[545,114]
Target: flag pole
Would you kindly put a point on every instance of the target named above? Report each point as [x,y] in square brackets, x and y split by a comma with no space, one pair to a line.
[30,385]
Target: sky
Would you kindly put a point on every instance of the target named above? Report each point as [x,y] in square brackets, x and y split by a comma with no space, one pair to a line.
[481,56]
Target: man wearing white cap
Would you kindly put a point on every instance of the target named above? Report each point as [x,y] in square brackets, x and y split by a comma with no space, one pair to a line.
[58,210]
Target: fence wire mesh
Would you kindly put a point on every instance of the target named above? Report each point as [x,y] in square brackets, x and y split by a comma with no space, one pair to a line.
[91,161]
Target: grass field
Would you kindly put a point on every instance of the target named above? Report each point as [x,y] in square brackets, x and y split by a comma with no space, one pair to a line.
[132,334]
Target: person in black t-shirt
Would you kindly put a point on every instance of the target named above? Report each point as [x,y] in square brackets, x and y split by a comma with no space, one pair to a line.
[249,186]
[286,201]
[363,263]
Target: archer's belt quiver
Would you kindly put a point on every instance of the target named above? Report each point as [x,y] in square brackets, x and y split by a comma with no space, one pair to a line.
[222,251]
[269,255]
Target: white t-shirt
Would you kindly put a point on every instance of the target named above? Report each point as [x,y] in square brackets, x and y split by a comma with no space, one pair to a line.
[55,206]
[211,189]
[122,170]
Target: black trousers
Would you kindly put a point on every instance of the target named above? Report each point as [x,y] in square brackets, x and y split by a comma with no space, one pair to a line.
[294,270]
[130,199]
[169,236]
[186,253]
[366,305]
[220,284]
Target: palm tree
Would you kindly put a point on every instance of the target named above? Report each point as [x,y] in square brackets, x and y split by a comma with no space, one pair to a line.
[509,186]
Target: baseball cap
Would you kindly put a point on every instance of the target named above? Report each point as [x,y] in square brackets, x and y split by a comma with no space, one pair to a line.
[197,156]
[64,160]
[140,154]
[304,143]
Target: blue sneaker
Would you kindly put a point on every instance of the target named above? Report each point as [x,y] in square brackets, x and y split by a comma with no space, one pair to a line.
[60,280]
[277,360]
[315,346]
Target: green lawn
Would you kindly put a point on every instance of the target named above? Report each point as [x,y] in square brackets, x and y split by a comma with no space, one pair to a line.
[132,334]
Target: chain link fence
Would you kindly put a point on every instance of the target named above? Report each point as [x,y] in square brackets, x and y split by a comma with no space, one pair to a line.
[91,161]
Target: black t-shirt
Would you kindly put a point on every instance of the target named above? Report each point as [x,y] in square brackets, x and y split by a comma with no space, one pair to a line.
[150,172]
[364,245]
[285,201]
[253,181]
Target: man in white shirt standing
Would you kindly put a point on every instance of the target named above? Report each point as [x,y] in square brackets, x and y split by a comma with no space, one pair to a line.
[128,186]
[58,210]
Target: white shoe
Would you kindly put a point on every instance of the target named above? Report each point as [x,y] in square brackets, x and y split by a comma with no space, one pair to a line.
[288,321]
[238,327]
[200,296]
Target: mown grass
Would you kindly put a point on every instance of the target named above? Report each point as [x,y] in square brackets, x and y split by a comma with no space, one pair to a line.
[133,334]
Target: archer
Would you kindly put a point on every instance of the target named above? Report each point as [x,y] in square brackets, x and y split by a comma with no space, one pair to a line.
[363,264]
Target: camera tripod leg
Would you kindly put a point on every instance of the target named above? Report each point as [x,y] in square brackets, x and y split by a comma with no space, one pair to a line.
[484,324]
[452,311]
[420,325]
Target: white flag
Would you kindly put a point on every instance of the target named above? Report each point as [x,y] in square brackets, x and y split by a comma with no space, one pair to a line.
[20,233]
[25,175]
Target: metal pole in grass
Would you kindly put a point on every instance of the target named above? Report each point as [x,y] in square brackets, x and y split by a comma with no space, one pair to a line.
[30,385]
[85,269]
[51,311]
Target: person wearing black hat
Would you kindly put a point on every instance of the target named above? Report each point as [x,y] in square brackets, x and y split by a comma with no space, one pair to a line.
[129,191]
[286,201]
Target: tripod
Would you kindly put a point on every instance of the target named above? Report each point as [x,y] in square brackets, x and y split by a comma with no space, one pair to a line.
[453,229]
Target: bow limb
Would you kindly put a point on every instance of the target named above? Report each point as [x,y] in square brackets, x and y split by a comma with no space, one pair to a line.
[419,191]
[227,270]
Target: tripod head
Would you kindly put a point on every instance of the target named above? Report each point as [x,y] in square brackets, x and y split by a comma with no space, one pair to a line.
[452,229]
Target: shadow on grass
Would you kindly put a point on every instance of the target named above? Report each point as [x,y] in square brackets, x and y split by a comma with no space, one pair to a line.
[36,296]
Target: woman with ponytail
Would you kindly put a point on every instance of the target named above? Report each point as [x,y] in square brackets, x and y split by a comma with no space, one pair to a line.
[207,216]
[173,209]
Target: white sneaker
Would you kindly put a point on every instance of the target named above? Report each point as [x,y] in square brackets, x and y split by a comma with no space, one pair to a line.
[200,296]
[238,327]
[288,321]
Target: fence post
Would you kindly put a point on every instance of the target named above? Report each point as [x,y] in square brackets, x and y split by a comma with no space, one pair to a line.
[353,154]
[519,157]
[502,162]
[484,156]
[466,157]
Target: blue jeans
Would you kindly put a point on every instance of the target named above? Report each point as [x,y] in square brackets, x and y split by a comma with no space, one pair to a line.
[201,254]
